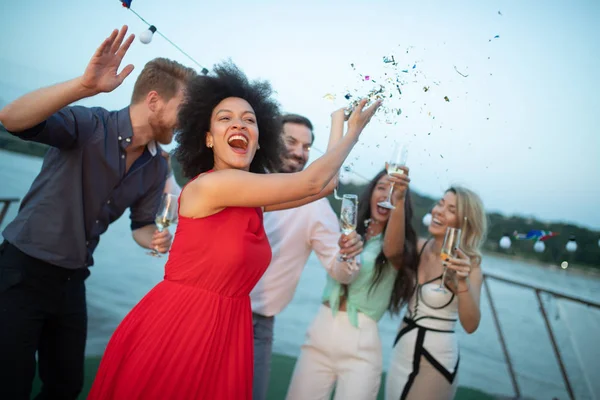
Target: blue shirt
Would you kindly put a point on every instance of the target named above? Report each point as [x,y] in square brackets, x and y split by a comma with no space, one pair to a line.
[83,187]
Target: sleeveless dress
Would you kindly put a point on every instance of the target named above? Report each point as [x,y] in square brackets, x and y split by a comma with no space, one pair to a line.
[424,362]
[191,336]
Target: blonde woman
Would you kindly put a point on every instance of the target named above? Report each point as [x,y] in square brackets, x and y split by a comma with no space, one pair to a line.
[425,358]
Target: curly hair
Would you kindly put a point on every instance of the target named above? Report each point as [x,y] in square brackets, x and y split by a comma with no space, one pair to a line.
[203,94]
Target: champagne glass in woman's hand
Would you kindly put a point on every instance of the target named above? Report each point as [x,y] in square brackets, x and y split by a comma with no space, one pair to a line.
[394,166]
[399,181]
[101,73]
[451,243]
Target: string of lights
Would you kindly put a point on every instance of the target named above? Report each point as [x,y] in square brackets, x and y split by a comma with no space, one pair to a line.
[146,36]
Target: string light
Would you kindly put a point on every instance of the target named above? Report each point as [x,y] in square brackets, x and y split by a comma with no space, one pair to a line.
[505,241]
[146,36]
[571,244]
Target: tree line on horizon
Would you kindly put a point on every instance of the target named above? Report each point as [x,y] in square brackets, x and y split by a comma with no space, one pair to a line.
[587,254]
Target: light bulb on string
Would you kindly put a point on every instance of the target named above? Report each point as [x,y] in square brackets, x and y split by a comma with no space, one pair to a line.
[539,247]
[505,242]
[571,244]
[146,36]
[427,219]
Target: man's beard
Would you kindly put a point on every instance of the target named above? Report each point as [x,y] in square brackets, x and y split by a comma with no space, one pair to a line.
[292,164]
[163,133]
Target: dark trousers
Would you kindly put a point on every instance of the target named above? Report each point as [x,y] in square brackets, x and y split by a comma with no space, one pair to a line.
[43,310]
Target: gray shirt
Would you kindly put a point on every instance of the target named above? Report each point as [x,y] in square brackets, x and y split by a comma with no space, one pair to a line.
[83,187]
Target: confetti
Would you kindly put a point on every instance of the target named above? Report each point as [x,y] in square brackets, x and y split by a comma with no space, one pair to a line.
[441,156]
[460,73]
[329,96]
[495,37]
[397,70]
[499,13]
[389,60]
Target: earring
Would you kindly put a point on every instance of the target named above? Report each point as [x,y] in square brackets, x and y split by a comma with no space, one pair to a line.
[209,145]
[259,147]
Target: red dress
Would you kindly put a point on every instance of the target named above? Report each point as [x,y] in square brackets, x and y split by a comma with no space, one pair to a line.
[191,336]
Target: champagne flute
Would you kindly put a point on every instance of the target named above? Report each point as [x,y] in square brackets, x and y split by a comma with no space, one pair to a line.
[398,159]
[166,215]
[348,215]
[451,242]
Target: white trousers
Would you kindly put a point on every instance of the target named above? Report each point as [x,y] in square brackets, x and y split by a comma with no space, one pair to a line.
[335,352]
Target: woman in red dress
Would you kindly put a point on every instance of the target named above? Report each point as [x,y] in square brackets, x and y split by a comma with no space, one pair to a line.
[190,337]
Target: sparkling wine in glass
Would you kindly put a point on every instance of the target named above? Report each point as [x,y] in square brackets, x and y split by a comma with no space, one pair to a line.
[166,215]
[348,214]
[451,242]
[397,160]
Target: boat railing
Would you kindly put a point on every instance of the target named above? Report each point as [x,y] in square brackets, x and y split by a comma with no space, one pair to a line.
[6,202]
[538,294]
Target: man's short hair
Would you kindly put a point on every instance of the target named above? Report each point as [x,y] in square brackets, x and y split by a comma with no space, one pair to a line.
[164,76]
[299,119]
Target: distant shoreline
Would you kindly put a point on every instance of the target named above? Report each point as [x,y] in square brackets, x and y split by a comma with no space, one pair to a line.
[38,150]
[582,270]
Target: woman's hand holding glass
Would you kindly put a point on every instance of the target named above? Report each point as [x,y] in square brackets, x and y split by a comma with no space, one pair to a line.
[460,264]
[399,182]
[351,245]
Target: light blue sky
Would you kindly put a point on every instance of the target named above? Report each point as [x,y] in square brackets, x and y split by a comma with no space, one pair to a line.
[537,154]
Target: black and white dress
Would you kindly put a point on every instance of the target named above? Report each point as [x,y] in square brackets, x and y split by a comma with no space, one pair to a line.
[424,362]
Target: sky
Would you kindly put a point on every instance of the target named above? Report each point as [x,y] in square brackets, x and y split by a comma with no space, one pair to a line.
[521,129]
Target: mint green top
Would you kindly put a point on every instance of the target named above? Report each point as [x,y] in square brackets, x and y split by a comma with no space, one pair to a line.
[373,303]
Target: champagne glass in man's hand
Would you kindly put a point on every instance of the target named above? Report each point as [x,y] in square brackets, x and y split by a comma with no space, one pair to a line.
[166,215]
[348,217]
[101,73]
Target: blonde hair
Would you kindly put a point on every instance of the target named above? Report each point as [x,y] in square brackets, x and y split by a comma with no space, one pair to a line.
[164,76]
[474,232]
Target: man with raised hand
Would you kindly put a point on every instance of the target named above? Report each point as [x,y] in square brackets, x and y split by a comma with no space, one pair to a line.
[99,164]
